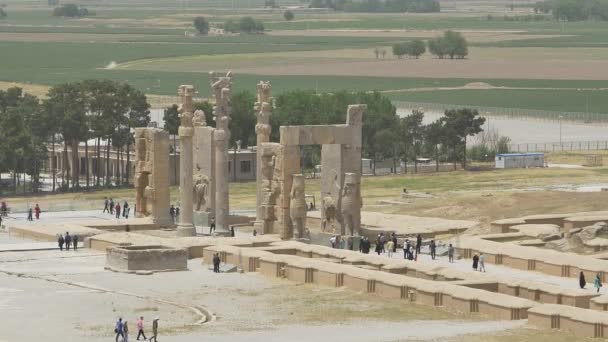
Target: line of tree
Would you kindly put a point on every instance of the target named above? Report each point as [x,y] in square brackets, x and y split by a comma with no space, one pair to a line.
[385,135]
[71,11]
[244,25]
[574,10]
[414,48]
[72,113]
[379,6]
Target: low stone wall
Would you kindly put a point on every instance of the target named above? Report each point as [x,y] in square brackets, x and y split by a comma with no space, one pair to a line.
[146,258]
[540,292]
[580,322]
[582,221]
[50,232]
[532,259]
[320,272]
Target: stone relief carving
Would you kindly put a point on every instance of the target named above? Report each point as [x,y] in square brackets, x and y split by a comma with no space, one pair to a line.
[351,204]
[297,205]
[199,119]
[201,191]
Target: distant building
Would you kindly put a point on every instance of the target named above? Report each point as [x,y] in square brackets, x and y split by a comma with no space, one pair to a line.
[519,160]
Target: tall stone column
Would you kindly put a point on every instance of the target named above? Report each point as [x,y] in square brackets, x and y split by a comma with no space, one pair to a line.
[222,203]
[262,110]
[221,87]
[186,131]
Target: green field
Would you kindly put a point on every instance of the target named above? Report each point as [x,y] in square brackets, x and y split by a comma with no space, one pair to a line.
[130,31]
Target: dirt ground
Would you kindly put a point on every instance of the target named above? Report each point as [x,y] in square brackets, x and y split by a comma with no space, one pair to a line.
[482,62]
[69,294]
[472,36]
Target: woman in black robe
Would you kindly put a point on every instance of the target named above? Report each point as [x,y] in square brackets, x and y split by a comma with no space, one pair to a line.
[475,261]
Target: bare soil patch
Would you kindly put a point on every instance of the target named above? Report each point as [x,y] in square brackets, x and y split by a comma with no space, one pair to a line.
[471,35]
[33,89]
[485,63]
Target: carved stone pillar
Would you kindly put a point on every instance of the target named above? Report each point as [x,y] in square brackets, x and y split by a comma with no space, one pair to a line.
[186,131]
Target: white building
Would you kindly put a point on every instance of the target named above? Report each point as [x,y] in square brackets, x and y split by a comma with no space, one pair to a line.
[519,160]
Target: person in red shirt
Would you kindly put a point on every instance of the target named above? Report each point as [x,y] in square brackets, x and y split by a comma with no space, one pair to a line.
[117,210]
[37,211]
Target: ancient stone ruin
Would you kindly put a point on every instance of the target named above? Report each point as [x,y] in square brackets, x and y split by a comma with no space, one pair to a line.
[152,175]
[341,165]
[186,131]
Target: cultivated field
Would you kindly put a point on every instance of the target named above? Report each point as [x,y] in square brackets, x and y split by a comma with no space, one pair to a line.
[544,65]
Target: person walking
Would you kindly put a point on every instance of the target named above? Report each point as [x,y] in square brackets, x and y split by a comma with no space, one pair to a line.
[125,331]
[332,241]
[106,205]
[418,243]
[406,249]
[111,206]
[390,245]
[433,248]
[140,328]
[118,329]
[450,253]
[212,226]
[75,242]
[475,261]
[60,242]
[154,329]
[597,283]
[117,209]
[125,210]
[216,263]
[378,246]
[394,239]
[37,211]
[68,241]
[581,280]
[232,231]
[30,214]
[382,242]
[482,262]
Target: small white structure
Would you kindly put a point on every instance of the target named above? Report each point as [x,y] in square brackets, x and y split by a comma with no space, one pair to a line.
[519,160]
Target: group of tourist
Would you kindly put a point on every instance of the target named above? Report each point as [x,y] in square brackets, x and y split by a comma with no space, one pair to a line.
[33,211]
[121,329]
[597,282]
[479,262]
[67,240]
[114,208]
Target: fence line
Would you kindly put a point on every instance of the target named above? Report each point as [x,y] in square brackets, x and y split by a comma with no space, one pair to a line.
[558,147]
[512,112]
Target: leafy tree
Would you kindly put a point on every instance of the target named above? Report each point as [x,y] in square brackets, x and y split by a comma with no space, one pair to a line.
[416,48]
[451,44]
[202,25]
[458,124]
[288,15]
[270,4]
[70,11]
[2,13]
[400,49]
[411,135]
[67,102]
[305,107]
[433,137]
[242,125]
[22,147]
[244,25]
